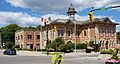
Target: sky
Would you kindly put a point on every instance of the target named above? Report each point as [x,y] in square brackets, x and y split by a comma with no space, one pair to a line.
[28,12]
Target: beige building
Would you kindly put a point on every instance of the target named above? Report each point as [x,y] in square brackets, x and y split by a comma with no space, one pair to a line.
[102,31]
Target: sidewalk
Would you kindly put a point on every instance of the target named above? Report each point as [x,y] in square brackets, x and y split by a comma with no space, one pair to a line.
[31,53]
[82,54]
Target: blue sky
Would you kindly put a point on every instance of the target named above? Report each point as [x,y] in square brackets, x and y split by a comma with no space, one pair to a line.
[28,12]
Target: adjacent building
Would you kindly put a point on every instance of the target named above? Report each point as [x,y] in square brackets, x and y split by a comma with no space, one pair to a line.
[28,38]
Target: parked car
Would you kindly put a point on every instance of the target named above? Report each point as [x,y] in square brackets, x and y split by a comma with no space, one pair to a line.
[10,52]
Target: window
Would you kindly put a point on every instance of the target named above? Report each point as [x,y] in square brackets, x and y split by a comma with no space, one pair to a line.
[84,33]
[29,36]
[18,37]
[38,36]
[112,33]
[58,32]
[106,32]
[62,32]
[100,42]
[21,36]
[68,33]
[78,33]
[112,43]
[53,33]
[103,44]
[101,32]
[50,32]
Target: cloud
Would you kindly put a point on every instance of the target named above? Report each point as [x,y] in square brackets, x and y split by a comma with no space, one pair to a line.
[102,3]
[60,6]
[22,19]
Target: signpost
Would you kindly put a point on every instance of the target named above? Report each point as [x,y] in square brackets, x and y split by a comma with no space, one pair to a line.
[106,8]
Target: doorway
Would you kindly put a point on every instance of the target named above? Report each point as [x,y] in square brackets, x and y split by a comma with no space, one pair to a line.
[106,44]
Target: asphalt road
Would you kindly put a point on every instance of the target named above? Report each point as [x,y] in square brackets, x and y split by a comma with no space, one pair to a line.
[68,59]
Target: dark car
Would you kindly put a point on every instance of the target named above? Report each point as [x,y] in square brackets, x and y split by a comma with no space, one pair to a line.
[10,52]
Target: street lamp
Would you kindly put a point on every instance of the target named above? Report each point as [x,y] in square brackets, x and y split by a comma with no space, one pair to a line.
[0,39]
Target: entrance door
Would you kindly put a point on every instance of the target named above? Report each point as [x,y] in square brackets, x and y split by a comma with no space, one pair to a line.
[106,44]
[31,46]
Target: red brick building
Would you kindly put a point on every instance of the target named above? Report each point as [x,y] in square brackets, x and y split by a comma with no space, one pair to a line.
[28,38]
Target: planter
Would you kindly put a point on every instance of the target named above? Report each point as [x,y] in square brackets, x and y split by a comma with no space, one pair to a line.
[112,61]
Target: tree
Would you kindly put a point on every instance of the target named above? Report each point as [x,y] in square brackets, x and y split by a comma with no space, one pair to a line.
[8,32]
[9,45]
[56,43]
[118,35]
[69,45]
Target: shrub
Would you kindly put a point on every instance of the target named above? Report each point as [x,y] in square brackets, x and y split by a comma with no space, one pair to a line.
[109,51]
[62,47]
[9,45]
[81,46]
[114,55]
[16,46]
[41,49]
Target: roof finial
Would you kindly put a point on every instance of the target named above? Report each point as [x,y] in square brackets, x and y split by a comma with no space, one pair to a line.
[71,4]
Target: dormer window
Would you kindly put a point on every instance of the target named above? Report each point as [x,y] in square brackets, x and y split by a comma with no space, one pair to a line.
[106,32]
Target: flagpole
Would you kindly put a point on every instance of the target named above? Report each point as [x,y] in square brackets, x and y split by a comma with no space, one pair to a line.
[41,39]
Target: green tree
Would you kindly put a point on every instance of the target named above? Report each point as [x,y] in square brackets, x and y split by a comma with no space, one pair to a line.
[9,45]
[8,32]
[56,43]
[118,35]
[69,45]
[62,47]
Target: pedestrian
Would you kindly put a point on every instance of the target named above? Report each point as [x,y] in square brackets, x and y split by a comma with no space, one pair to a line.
[57,59]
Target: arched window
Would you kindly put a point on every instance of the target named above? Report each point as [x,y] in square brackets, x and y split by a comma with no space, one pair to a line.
[68,33]
[101,32]
[84,33]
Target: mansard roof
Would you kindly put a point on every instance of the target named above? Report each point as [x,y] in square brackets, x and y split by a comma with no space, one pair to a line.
[96,20]
[101,20]
[64,21]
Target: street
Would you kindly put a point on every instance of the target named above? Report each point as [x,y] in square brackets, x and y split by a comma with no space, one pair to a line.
[82,58]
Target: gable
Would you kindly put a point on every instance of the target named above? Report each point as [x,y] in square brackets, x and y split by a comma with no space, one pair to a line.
[69,22]
[107,20]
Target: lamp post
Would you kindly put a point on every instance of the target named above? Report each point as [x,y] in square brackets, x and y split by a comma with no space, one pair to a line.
[46,37]
[75,36]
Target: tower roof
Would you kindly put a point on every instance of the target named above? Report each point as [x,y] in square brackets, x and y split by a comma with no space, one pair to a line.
[71,10]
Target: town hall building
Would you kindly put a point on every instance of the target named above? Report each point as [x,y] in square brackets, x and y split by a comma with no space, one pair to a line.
[102,31]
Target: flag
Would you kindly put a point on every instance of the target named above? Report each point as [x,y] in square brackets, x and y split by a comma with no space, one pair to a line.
[49,19]
[41,19]
[45,20]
